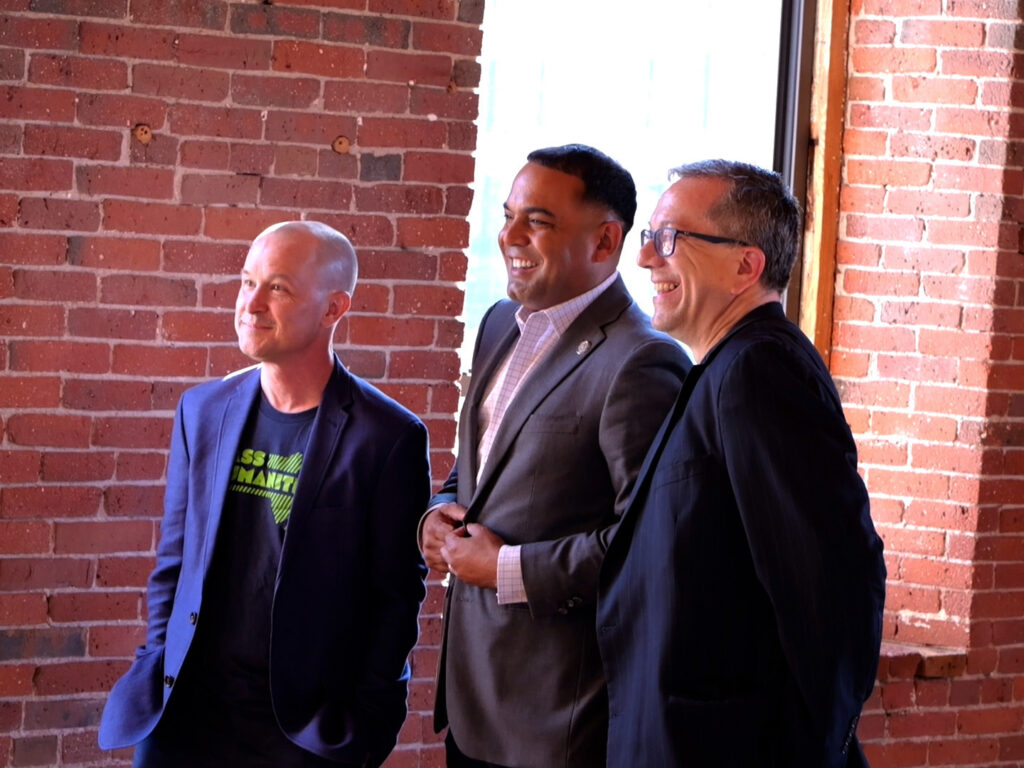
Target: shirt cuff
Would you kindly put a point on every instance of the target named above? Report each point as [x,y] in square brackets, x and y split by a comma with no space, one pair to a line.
[510,576]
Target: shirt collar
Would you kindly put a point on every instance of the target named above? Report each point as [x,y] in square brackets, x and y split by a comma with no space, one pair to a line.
[561,316]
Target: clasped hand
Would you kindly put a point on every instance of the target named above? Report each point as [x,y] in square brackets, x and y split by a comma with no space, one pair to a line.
[469,551]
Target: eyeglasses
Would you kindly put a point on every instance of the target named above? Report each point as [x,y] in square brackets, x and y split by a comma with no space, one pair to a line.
[665,239]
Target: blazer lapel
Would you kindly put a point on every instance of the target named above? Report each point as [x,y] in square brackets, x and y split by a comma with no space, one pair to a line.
[234,416]
[578,342]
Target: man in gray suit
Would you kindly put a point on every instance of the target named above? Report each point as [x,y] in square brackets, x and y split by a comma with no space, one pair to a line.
[570,384]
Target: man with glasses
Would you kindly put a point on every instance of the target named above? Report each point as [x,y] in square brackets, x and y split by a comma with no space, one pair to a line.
[740,602]
[570,384]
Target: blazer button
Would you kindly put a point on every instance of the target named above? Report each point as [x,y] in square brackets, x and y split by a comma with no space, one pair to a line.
[193,618]
[169,680]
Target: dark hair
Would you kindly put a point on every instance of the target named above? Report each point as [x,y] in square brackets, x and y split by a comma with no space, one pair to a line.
[757,208]
[604,180]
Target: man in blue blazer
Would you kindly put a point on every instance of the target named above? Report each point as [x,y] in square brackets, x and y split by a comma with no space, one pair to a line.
[284,601]
[544,470]
[740,601]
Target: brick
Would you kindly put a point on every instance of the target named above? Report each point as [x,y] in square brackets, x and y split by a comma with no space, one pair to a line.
[65,141]
[77,677]
[62,714]
[74,607]
[458,201]
[884,60]
[19,466]
[389,331]
[977,63]
[198,327]
[150,361]
[42,573]
[307,128]
[77,466]
[136,466]
[447,38]
[292,193]
[366,231]
[174,82]
[438,102]
[943,34]
[126,42]
[366,98]
[865,142]
[48,429]
[80,72]
[147,290]
[400,198]
[332,165]
[223,52]
[54,285]
[35,174]
[911,368]
[462,136]
[115,640]
[378,31]
[131,432]
[22,609]
[24,538]
[34,750]
[30,320]
[865,88]
[276,21]
[35,643]
[431,365]
[111,324]
[332,61]
[932,204]
[439,168]
[161,150]
[204,14]
[59,215]
[120,110]
[98,537]
[191,257]
[294,161]
[35,33]
[30,392]
[873,32]
[427,9]
[124,571]
[210,189]
[213,155]
[973,178]
[397,132]
[264,90]
[150,218]
[35,502]
[152,183]
[134,501]
[219,122]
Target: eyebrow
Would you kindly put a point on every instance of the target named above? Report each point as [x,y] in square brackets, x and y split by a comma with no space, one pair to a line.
[533,209]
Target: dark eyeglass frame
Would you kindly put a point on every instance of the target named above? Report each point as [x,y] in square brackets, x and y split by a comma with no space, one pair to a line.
[646,235]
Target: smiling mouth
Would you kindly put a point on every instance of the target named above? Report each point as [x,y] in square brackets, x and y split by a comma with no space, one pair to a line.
[522,264]
[664,287]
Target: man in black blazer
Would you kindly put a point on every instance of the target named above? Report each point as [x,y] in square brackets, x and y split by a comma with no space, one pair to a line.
[740,604]
[284,601]
[543,471]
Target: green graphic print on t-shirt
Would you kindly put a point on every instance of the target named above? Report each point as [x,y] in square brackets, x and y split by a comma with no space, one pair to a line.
[270,476]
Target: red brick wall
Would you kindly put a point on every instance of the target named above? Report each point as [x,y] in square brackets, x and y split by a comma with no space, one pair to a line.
[118,263]
[929,357]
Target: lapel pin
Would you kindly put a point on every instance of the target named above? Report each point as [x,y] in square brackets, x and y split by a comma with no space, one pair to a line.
[583,348]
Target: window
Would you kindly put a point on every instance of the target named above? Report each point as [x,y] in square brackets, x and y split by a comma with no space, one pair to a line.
[659,85]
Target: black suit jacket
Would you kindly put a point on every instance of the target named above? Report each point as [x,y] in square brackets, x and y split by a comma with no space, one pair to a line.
[521,684]
[349,582]
[740,604]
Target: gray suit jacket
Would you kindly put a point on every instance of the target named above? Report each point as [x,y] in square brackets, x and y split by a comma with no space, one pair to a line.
[521,685]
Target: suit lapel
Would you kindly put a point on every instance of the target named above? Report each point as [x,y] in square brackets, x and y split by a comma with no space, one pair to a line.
[578,342]
[237,408]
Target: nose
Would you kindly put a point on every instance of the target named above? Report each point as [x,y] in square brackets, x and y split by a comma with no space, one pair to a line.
[647,257]
[512,233]
[250,299]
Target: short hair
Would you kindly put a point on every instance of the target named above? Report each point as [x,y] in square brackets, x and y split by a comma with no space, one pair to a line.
[604,180]
[757,208]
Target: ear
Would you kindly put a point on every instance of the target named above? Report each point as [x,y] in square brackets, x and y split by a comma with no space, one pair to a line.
[749,268]
[609,240]
[338,303]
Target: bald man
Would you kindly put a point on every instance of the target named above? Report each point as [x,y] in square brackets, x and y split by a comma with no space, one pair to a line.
[284,601]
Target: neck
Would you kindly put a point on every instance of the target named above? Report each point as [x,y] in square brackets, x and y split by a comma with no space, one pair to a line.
[293,388]
[732,314]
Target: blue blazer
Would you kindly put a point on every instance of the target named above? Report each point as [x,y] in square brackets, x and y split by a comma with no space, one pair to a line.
[740,601]
[349,581]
